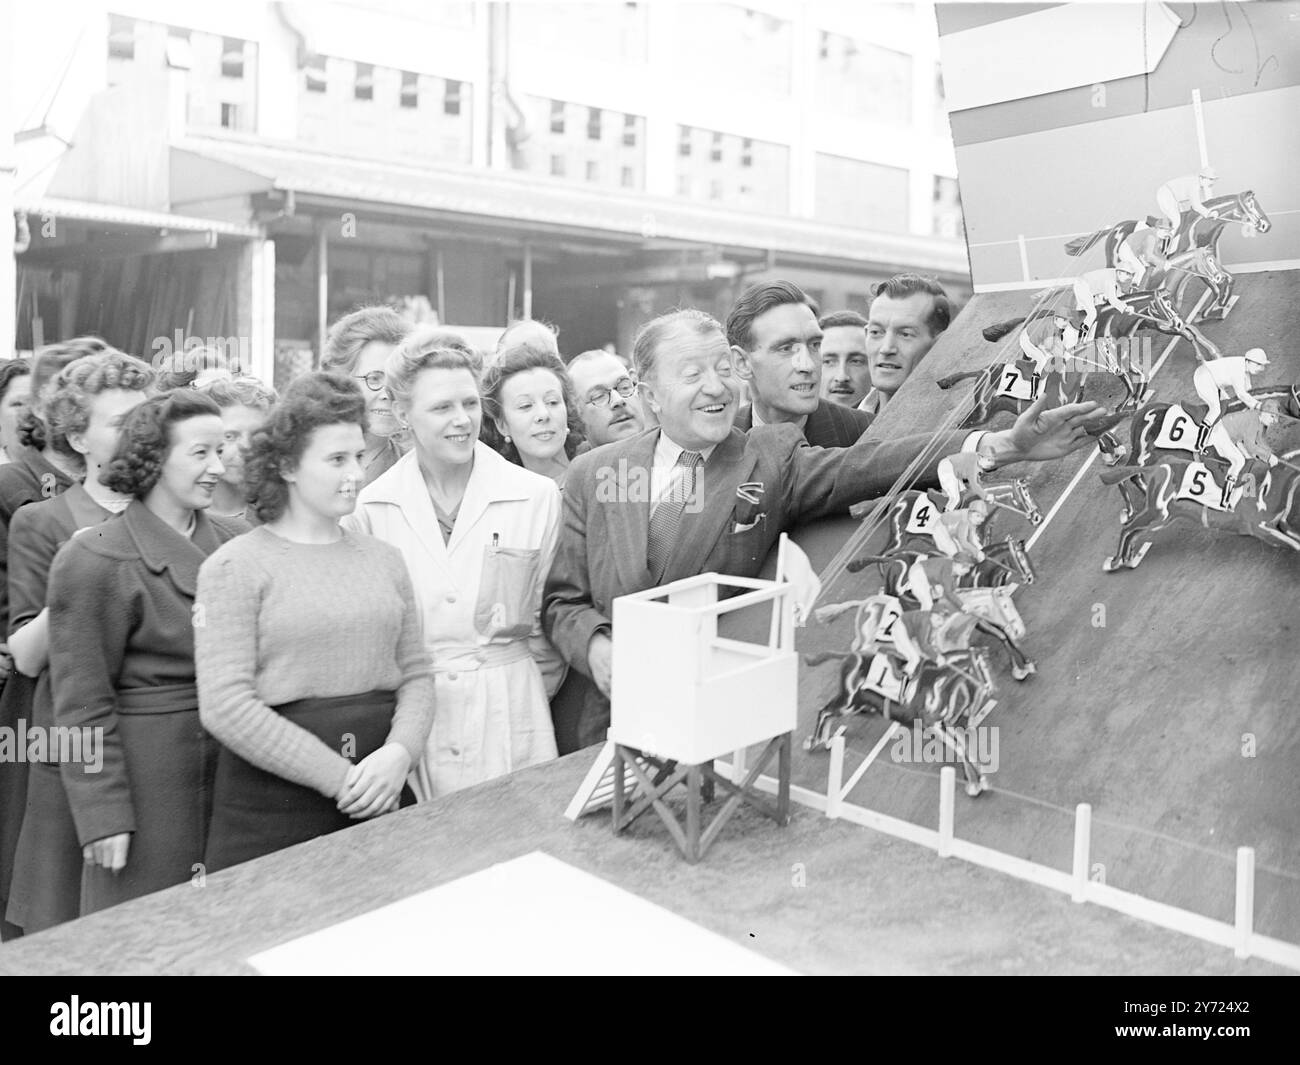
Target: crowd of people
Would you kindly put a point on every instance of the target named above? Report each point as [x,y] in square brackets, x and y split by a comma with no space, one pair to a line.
[266,618]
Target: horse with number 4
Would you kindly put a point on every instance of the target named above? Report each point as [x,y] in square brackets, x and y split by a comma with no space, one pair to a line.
[1174,489]
[914,515]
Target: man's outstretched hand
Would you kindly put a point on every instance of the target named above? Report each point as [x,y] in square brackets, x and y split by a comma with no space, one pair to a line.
[1044,432]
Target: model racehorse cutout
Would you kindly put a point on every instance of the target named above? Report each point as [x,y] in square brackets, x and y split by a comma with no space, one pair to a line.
[1012,386]
[914,515]
[1192,250]
[1173,489]
[1171,430]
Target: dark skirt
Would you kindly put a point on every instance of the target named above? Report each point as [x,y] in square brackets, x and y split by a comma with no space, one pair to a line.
[256,812]
[15,705]
[170,762]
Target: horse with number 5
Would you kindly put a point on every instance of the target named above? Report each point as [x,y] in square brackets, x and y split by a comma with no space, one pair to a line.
[1174,489]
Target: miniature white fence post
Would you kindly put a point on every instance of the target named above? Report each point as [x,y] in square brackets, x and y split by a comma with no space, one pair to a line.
[1024,256]
[835,776]
[1245,900]
[947,789]
[1082,846]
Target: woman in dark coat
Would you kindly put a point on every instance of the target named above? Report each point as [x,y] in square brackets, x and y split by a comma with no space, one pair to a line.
[122,623]
[35,471]
[82,410]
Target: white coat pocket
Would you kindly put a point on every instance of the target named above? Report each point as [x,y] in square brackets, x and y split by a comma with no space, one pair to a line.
[508,592]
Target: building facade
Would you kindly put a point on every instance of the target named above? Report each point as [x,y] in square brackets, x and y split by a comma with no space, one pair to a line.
[589,163]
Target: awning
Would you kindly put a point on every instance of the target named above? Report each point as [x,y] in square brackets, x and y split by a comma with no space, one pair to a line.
[204,169]
[110,214]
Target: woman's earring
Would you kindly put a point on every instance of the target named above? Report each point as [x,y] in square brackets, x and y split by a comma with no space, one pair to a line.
[507,439]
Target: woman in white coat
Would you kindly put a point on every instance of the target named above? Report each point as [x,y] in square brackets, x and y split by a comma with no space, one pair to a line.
[478,535]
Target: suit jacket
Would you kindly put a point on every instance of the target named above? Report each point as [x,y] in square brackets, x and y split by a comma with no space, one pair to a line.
[606,517]
[830,425]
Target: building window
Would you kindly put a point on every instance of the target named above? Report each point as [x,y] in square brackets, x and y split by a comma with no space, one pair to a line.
[451,99]
[229,116]
[593,123]
[410,89]
[315,72]
[364,87]
[824,47]
[716,152]
[179,54]
[683,140]
[629,131]
[121,37]
[747,152]
[232,57]
[629,177]
[557,166]
[557,116]
[593,170]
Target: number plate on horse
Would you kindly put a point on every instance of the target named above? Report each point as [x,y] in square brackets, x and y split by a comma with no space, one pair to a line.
[1015,384]
[1199,486]
[882,679]
[924,516]
[1177,430]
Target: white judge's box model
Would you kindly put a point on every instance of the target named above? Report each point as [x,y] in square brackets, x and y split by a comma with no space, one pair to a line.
[685,694]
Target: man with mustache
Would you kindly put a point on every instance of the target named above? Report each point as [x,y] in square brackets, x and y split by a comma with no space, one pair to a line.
[607,397]
[776,349]
[697,495]
[846,373]
[905,319]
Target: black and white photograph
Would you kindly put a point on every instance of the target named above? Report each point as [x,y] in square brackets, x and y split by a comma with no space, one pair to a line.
[675,488]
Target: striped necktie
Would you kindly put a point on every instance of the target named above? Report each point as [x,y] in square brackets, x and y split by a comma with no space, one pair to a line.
[666,521]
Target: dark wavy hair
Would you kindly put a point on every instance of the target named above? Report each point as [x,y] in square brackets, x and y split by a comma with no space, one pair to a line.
[310,402]
[516,359]
[45,365]
[10,371]
[66,401]
[147,438]
[755,302]
[900,286]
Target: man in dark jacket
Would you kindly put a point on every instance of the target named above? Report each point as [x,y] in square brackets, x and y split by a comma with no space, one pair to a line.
[776,347]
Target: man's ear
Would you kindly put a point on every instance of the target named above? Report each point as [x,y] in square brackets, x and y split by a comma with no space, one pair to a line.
[741,364]
[77,441]
[646,392]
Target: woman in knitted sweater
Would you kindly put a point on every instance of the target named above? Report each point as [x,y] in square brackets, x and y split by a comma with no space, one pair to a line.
[312,670]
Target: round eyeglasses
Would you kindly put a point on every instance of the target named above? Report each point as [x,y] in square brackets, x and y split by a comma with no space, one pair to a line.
[600,397]
[375,379]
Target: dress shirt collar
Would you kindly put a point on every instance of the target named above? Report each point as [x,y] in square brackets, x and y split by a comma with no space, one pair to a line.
[757,421]
[667,452]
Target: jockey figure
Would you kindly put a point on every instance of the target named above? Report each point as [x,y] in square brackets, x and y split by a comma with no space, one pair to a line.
[1095,288]
[1190,189]
[1239,437]
[1143,251]
[913,650]
[960,474]
[1214,379]
[958,530]
[1053,347]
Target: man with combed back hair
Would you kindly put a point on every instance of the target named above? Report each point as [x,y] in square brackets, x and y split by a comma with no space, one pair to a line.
[698,495]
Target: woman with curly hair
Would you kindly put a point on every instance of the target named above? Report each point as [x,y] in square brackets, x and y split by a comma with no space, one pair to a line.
[357,346]
[245,404]
[530,411]
[478,535]
[122,623]
[82,410]
[15,394]
[312,670]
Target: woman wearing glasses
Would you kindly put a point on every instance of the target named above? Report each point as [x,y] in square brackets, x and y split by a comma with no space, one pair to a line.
[358,346]
[530,413]
[478,535]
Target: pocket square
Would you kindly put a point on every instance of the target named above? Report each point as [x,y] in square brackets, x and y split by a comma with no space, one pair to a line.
[740,527]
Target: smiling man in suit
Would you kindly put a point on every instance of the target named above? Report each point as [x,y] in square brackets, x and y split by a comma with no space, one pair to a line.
[776,348]
[717,498]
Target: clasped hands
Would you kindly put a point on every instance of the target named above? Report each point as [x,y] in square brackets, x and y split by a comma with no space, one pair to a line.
[374,785]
